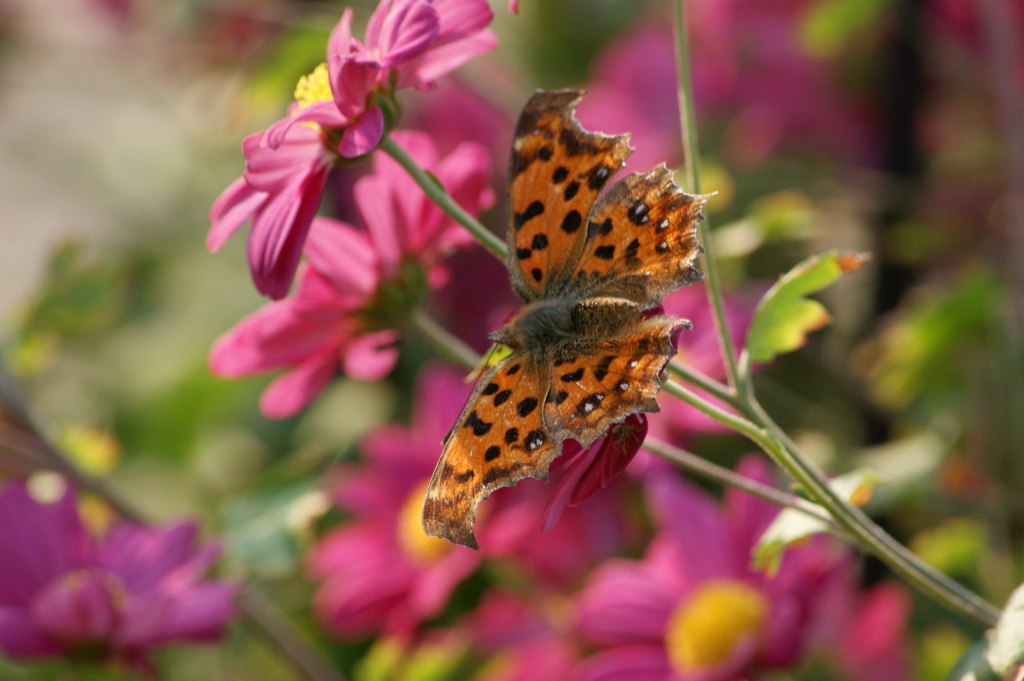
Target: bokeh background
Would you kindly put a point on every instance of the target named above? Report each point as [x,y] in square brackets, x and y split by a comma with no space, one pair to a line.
[894,127]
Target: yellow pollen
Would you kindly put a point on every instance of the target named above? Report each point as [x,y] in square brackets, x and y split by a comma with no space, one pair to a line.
[417,545]
[316,87]
[706,627]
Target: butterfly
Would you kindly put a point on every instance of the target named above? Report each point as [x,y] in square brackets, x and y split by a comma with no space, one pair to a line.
[586,351]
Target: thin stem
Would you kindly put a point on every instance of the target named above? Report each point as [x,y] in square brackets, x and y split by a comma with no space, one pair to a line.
[279,632]
[929,581]
[691,157]
[737,423]
[439,195]
[446,344]
[724,476]
[704,382]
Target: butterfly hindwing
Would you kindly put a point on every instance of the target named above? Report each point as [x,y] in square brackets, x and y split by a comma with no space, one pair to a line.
[595,384]
[642,240]
[499,438]
[556,171]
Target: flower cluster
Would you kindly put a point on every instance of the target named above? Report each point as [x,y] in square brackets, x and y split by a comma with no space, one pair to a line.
[359,284]
[65,592]
[341,111]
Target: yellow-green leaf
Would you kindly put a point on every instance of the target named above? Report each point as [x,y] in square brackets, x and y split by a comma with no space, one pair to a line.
[785,316]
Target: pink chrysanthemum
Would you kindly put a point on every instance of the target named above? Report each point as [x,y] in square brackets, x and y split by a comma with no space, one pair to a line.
[380,572]
[694,608]
[359,284]
[64,592]
[341,111]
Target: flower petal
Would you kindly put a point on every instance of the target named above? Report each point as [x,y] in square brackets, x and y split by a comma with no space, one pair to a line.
[363,136]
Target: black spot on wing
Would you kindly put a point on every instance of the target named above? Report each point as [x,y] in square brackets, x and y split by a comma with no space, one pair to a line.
[526,406]
[492,453]
[572,221]
[533,210]
[572,376]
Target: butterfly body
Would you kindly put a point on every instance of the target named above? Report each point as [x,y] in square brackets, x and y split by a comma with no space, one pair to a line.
[586,350]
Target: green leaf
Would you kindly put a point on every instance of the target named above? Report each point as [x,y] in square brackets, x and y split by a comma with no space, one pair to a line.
[973,666]
[1006,642]
[792,526]
[785,316]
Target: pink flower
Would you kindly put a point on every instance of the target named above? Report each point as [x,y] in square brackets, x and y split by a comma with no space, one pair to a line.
[359,284]
[522,641]
[380,572]
[694,608]
[873,645]
[65,592]
[759,84]
[339,113]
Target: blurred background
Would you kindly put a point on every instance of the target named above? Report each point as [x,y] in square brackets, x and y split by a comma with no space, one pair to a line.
[894,127]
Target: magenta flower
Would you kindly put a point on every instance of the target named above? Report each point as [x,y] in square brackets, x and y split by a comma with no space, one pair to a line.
[64,592]
[694,608]
[522,639]
[380,572]
[339,113]
[359,284]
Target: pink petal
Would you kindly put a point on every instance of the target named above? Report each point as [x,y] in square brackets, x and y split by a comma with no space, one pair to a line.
[513,6]
[376,204]
[625,603]
[276,335]
[338,45]
[200,613]
[440,61]
[143,556]
[371,356]
[40,543]
[294,390]
[401,29]
[79,607]
[325,114]
[233,207]
[343,254]
[352,80]
[364,136]
[279,232]
[632,663]
[20,636]
[273,169]
[693,522]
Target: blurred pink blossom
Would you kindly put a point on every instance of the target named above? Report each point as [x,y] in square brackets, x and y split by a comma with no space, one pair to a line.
[751,76]
[693,607]
[64,592]
[341,111]
[379,571]
[522,640]
[359,284]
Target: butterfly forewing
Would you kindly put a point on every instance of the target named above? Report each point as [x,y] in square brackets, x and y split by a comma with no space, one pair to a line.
[602,382]
[642,240]
[499,439]
[556,171]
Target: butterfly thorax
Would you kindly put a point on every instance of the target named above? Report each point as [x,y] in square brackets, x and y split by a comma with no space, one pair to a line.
[549,323]
[539,324]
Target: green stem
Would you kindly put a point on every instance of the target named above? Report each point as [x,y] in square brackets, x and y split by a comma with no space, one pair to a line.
[724,476]
[904,563]
[704,382]
[439,195]
[447,345]
[691,158]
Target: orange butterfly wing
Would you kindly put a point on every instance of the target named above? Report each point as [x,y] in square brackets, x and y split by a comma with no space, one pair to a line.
[499,438]
[556,172]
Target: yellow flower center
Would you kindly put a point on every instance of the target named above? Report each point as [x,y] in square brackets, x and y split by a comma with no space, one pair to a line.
[707,626]
[316,87]
[417,545]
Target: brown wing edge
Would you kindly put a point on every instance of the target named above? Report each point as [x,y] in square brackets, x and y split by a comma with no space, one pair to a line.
[452,516]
